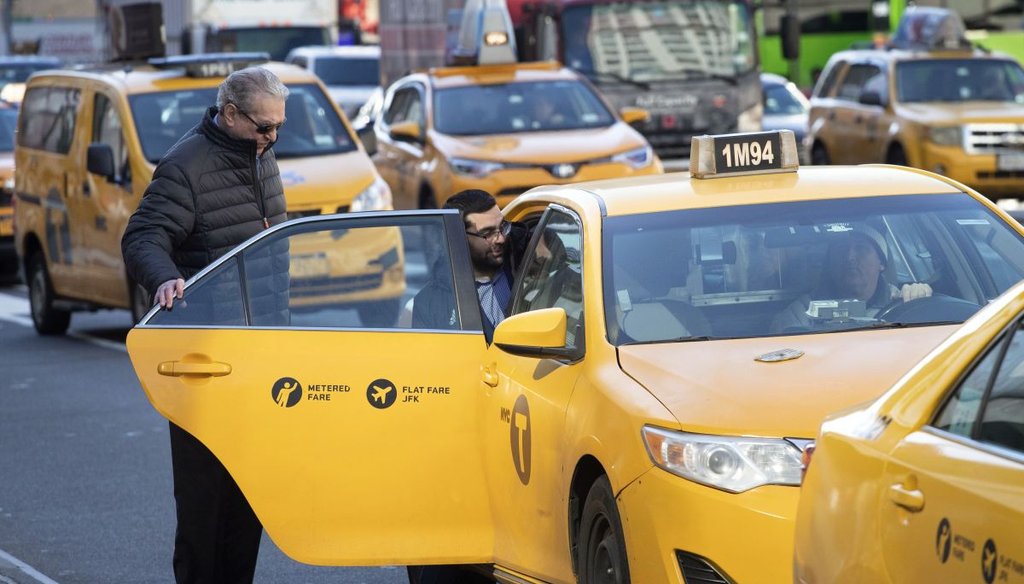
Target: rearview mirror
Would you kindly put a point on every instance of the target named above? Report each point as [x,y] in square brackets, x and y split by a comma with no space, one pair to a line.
[538,333]
[408,131]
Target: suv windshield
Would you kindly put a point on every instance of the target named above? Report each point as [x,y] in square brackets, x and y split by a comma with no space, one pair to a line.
[661,40]
[313,127]
[8,122]
[348,70]
[953,80]
[802,267]
[518,107]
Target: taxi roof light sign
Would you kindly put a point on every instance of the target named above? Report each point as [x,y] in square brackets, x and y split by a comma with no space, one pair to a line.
[739,154]
[211,64]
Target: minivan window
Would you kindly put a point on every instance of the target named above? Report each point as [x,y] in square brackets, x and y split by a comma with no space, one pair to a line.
[48,118]
[313,126]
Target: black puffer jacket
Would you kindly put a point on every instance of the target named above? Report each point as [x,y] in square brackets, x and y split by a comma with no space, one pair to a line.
[203,201]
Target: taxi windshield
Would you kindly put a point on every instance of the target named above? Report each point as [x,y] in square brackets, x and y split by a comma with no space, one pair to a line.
[659,40]
[8,122]
[475,110]
[953,80]
[804,267]
[313,127]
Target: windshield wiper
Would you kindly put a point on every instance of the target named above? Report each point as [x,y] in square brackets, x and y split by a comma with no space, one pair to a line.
[615,77]
[674,340]
[894,325]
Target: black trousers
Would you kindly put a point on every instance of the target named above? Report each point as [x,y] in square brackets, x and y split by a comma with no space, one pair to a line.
[218,535]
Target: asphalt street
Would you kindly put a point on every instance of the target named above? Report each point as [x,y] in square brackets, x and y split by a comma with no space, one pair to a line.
[85,482]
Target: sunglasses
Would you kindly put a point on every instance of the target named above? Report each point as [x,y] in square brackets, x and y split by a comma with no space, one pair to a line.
[260,128]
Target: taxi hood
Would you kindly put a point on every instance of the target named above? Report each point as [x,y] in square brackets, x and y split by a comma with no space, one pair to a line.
[716,387]
[964,112]
[542,147]
[334,179]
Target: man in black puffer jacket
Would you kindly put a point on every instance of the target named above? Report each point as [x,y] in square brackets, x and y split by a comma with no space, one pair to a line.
[215,188]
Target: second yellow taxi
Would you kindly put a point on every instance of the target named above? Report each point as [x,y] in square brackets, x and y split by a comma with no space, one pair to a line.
[673,343]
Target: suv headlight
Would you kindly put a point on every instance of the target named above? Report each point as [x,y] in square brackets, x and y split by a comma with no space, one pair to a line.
[375,197]
[946,135]
[476,168]
[637,158]
[750,120]
[730,463]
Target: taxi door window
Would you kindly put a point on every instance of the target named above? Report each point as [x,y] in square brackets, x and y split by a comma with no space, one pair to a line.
[989,405]
[825,88]
[379,273]
[107,129]
[403,106]
[552,273]
[48,118]
[857,77]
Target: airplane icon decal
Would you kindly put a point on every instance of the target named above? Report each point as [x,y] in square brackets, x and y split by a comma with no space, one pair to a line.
[381,393]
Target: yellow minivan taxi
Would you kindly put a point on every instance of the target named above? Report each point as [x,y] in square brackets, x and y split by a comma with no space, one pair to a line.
[504,129]
[672,344]
[89,139]
[925,484]
[8,258]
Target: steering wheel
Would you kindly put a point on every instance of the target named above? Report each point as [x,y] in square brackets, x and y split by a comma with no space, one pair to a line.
[934,308]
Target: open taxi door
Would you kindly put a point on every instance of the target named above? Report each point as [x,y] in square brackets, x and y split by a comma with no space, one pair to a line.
[347,413]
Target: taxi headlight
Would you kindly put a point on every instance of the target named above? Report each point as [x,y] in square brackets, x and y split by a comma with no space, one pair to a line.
[9,184]
[750,120]
[375,197]
[730,463]
[476,168]
[946,135]
[637,158]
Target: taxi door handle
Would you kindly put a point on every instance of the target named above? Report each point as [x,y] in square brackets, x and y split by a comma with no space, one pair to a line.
[180,368]
[910,499]
[489,374]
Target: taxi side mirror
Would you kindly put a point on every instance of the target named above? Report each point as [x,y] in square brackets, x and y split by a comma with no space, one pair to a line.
[407,131]
[369,139]
[635,115]
[99,159]
[538,333]
[871,98]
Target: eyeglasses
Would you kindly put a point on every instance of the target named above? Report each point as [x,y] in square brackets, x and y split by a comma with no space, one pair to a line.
[492,234]
[260,128]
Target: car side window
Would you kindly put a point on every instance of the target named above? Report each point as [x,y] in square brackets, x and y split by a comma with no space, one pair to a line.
[405,107]
[824,89]
[340,273]
[552,272]
[108,129]
[857,77]
[989,405]
[48,117]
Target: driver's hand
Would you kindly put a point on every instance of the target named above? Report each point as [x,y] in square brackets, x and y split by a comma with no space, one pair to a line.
[914,291]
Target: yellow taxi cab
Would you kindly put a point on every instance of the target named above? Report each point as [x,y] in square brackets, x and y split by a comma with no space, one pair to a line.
[956,111]
[89,140]
[8,257]
[924,484]
[670,348]
[502,128]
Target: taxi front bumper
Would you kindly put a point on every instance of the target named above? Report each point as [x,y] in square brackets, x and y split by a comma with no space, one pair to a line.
[508,183]
[993,175]
[673,526]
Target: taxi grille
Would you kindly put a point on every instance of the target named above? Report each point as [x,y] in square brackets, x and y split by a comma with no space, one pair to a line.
[697,570]
[326,285]
[5,197]
[993,138]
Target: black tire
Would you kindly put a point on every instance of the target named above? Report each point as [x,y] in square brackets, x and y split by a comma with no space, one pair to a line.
[896,156]
[427,198]
[602,547]
[47,319]
[819,156]
[139,300]
[379,314]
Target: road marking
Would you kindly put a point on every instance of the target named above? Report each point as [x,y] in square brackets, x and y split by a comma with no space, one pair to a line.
[26,569]
[16,310]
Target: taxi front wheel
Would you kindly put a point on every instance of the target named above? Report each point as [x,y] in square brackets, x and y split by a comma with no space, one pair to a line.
[47,319]
[602,547]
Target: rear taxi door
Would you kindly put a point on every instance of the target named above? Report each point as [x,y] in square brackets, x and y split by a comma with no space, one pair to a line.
[953,503]
[354,445]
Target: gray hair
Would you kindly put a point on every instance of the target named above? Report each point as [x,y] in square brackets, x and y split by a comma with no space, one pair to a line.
[244,86]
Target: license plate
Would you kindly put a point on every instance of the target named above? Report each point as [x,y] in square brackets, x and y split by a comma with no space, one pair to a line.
[6,226]
[1012,161]
[308,266]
